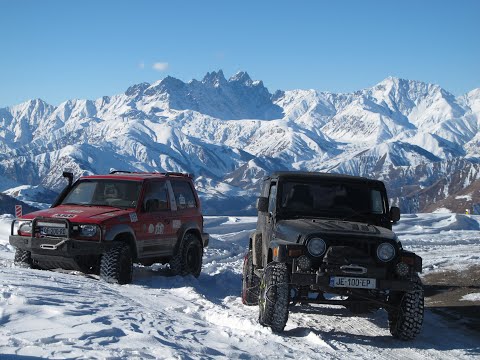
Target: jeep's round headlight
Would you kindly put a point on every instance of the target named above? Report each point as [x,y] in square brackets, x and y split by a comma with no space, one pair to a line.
[385,252]
[88,230]
[316,246]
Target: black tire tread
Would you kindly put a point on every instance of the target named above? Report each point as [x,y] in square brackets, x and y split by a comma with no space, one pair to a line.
[112,263]
[406,322]
[250,281]
[22,258]
[274,296]
[178,263]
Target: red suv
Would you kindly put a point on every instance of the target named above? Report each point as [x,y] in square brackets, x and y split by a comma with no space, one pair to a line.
[102,224]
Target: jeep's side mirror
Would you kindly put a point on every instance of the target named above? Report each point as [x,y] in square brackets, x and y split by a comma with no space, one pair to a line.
[394,214]
[262,204]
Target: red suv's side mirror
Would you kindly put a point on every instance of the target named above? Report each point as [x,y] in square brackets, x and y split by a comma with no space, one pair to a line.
[394,214]
[262,204]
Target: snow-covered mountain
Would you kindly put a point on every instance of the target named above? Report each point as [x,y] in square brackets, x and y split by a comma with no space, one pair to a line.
[417,137]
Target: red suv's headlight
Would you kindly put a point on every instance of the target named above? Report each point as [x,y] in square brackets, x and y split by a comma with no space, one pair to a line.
[24,228]
[88,230]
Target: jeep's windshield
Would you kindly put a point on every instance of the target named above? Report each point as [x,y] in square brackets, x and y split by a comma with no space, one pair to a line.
[331,199]
[104,192]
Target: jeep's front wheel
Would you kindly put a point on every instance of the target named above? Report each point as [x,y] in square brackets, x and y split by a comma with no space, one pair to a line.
[250,281]
[23,258]
[406,318]
[116,265]
[188,259]
[274,297]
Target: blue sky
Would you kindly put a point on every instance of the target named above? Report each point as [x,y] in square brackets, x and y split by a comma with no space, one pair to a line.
[58,50]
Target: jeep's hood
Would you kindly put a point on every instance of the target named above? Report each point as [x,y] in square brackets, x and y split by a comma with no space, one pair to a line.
[74,213]
[295,230]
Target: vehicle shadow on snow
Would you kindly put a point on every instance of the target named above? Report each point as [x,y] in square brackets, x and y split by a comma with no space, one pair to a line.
[214,288]
[460,316]
[378,317]
[432,336]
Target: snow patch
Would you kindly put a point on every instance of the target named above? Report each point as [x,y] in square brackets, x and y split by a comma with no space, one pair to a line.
[471,297]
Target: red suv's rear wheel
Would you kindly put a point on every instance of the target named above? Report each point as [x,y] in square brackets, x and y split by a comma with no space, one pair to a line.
[188,259]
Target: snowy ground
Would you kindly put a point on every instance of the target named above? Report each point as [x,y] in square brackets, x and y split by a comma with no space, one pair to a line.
[47,314]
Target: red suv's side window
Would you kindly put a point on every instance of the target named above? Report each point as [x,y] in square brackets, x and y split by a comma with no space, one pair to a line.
[183,194]
[156,197]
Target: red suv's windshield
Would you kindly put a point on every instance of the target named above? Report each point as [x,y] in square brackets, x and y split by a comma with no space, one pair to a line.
[104,192]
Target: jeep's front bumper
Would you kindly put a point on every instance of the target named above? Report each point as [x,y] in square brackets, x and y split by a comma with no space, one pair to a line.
[321,281]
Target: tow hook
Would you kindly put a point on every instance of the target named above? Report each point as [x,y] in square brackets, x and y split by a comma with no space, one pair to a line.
[52,247]
[353,269]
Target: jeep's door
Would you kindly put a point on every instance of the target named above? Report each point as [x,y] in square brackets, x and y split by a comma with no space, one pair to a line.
[156,221]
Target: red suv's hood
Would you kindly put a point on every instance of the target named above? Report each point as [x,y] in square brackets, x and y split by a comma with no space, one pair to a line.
[89,214]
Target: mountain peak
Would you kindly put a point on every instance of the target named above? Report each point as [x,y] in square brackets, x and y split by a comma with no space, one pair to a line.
[215,78]
[137,89]
[397,82]
[241,77]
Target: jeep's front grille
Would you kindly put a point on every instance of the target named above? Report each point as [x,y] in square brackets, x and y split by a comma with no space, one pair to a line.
[364,245]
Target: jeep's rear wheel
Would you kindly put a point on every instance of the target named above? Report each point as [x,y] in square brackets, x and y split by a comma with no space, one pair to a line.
[23,258]
[188,259]
[250,281]
[116,265]
[274,297]
[405,321]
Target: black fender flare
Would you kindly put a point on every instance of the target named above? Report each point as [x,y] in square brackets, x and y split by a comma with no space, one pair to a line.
[256,247]
[121,229]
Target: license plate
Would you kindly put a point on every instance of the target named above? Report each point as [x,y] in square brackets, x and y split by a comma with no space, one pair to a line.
[353,282]
[53,231]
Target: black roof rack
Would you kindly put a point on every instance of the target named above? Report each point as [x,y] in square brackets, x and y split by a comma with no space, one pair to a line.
[120,171]
[168,173]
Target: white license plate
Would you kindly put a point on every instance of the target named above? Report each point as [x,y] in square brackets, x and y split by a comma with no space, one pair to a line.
[353,282]
[51,231]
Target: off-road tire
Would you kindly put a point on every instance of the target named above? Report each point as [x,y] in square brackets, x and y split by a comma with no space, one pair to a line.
[274,297]
[250,281]
[116,265]
[22,258]
[405,322]
[188,259]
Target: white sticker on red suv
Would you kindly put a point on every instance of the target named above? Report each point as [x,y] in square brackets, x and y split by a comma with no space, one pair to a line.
[159,228]
[176,224]
[133,217]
